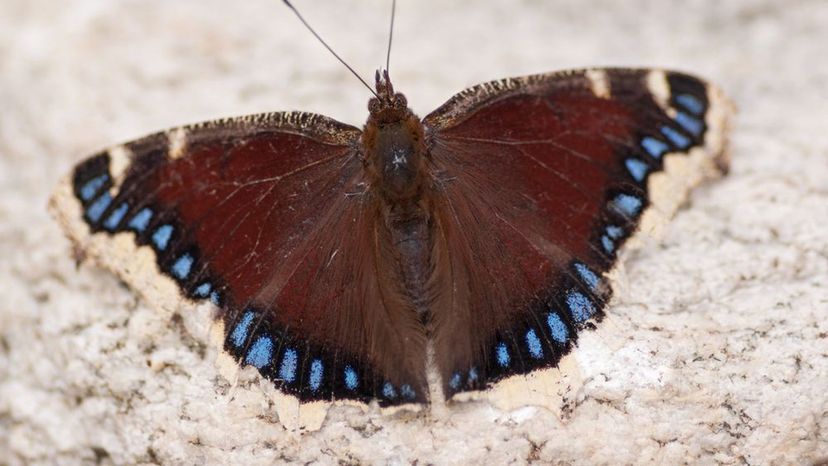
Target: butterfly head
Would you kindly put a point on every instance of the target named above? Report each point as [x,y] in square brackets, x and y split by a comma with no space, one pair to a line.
[393,142]
[388,106]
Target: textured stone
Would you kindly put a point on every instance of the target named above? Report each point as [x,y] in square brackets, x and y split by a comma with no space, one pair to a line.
[719,336]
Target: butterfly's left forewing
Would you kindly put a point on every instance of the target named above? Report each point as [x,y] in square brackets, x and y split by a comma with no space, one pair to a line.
[269,218]
[556,172]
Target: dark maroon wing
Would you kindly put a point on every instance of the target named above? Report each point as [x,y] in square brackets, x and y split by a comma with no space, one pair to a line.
[268,218]
[539,181]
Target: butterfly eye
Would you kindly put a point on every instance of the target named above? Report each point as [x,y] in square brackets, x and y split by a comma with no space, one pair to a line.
[373,105]
[400,101]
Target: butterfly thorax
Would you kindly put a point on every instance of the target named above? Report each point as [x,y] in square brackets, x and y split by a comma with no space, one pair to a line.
[394,149]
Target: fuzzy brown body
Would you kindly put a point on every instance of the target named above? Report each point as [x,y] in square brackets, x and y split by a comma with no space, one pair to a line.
[396,162]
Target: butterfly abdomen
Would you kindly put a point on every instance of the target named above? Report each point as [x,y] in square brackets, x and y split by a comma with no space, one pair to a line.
[412,239]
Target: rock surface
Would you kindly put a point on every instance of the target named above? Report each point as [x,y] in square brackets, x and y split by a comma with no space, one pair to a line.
[723,353]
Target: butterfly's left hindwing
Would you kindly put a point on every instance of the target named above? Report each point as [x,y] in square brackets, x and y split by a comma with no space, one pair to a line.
[560,171]
[268,218]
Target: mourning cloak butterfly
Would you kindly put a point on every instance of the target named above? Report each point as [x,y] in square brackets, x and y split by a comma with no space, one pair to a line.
[346,263]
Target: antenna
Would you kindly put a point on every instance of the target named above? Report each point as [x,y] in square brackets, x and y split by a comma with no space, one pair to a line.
[390,37]
[298,15]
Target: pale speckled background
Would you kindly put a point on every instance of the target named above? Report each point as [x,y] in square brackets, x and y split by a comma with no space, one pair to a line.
[723,353]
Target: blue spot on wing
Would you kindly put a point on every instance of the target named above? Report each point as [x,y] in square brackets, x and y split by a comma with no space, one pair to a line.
[141,220]
[239,335]
[627,204]
[557,328]
[203,290]
[502,355]
[693,125]
[182,266]
[388,391]
[655,147]
[259,354]
[91,188]
[533,343]
[116,216]
[580,307]
[637,168]
[97,209]
[287,371]
[608,244]
[690,103]
[407,392]
[588,276]
[351,378]
[161,237]
[679,140]
[614,231]
[316,371]
[454,381]
[473,375]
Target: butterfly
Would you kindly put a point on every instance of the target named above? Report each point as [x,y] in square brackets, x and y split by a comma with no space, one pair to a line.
[341,258]
[346,263]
